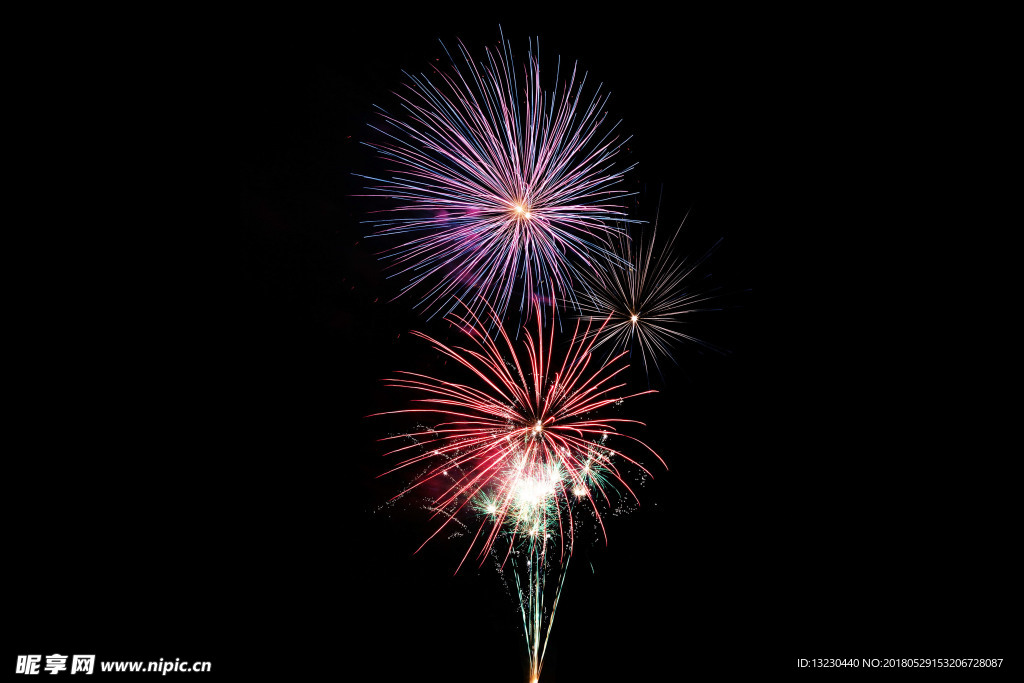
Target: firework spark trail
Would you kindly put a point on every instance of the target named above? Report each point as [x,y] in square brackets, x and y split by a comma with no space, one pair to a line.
[531,582]
[646,301]
[496,195]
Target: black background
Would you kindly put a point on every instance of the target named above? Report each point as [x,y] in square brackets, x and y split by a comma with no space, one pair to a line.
[214,477]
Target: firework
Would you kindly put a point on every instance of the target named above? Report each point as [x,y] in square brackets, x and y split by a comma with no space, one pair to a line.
[503,192]
[646,302]
[523,453]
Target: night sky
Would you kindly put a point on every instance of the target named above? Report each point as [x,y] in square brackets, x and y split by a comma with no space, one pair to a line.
[807,511]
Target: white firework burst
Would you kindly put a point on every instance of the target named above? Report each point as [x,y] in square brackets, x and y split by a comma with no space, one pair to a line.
[648,301]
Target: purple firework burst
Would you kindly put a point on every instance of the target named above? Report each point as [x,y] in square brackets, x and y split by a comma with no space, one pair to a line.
[503,192]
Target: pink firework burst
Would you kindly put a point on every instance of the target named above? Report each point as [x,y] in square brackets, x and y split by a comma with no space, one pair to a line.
[503,192]
[527,441]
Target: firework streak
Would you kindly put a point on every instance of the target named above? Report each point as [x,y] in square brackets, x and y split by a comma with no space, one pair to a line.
[502,192]
[522,453]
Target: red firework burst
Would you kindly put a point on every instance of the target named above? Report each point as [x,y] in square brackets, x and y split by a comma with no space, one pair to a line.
[529,436]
